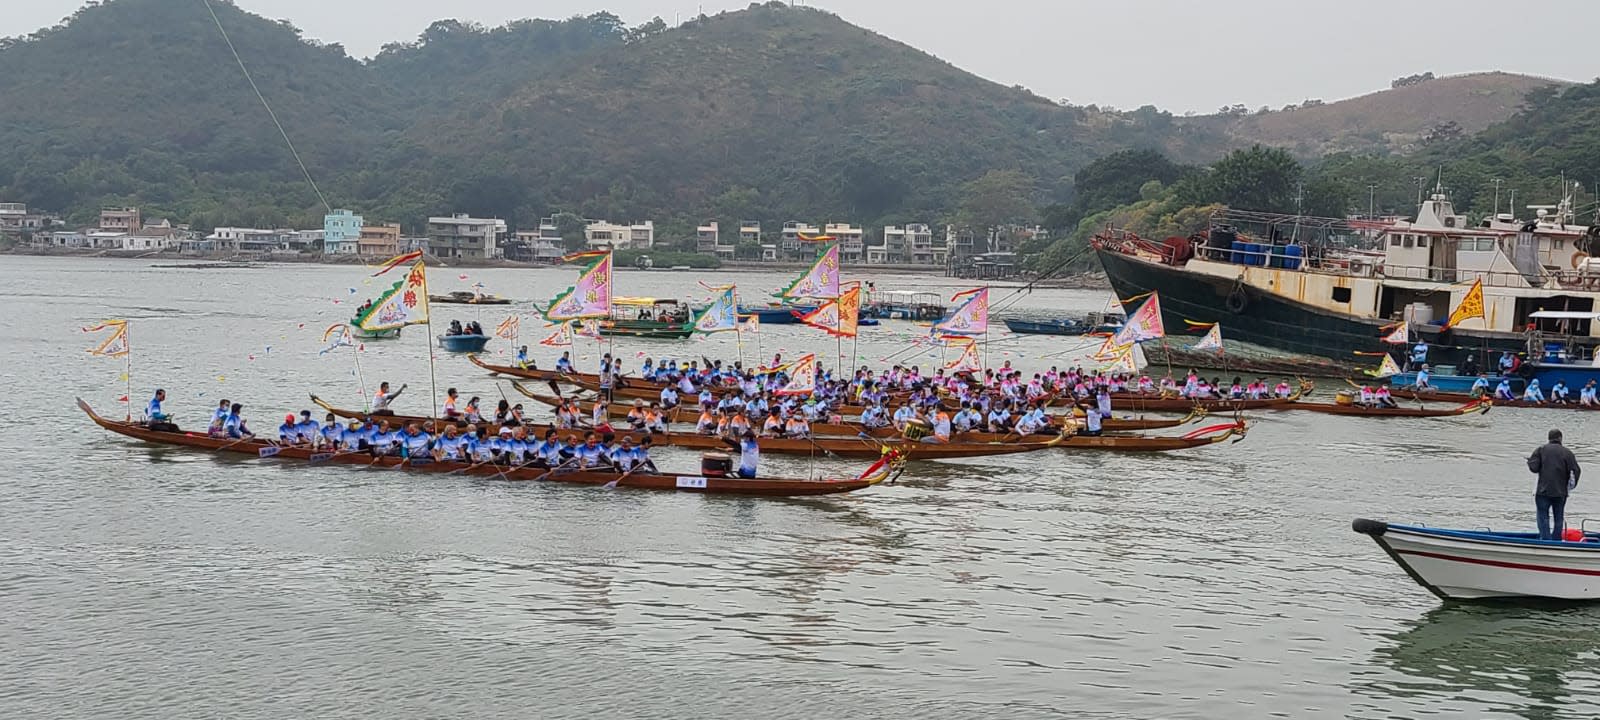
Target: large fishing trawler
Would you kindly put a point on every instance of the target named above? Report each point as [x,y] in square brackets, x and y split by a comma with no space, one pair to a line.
[1334,288]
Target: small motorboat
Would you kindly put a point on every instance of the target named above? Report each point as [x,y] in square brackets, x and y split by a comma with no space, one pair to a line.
[1480,564]
[463,343]
[462,297]
[1094,323]
[775,313]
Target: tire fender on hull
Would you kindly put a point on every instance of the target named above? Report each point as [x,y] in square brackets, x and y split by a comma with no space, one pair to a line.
[1237,301]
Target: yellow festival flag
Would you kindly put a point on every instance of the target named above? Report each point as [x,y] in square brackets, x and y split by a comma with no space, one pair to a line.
[116,344]
[1386,368]
[1400,336]
[508,327]
[1471,305]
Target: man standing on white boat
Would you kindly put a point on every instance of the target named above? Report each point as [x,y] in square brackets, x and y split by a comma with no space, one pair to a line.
[1558,473]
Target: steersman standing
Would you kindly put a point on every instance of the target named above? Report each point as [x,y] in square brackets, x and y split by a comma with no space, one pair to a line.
[1558,473]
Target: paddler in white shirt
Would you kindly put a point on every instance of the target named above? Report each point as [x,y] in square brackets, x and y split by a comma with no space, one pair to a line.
[1586,396]
[1481,386]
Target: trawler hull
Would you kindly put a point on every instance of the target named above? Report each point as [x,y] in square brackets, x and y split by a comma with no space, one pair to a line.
[1252,315]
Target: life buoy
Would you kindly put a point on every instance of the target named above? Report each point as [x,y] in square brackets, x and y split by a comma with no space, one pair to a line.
[1237,301]
[1578,258]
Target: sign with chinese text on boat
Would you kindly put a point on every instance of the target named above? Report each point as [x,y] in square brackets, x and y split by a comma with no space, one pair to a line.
[971,316]
[406,303]
[821,282]
[589,298]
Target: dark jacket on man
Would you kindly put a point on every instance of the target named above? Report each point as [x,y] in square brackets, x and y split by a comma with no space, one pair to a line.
[1555,465]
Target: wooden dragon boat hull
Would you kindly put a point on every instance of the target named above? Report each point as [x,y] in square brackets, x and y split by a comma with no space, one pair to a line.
[1359,411]
[683,483]
[853,447]
[690,415]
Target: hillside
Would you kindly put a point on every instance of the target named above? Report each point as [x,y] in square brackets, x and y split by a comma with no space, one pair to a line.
[778,112]
[1395,120]
[772,113]
[141,100]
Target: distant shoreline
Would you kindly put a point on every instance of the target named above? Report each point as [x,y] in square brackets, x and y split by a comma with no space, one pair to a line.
[1078,281]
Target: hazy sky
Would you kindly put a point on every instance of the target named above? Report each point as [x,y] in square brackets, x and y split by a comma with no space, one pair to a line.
[1176,54]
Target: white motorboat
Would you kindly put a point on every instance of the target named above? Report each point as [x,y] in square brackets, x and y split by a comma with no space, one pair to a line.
[1479,564]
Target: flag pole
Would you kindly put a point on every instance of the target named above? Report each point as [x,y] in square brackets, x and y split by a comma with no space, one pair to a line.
[986,364]
[355,352]
[127,373]
[433,376]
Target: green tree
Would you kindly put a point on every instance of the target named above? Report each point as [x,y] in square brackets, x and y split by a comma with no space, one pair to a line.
[1259,178]
[1000,197]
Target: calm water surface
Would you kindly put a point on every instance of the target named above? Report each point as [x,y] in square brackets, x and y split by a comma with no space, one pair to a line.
[141,582]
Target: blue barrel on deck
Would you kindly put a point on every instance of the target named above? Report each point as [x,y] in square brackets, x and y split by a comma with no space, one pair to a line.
[1552,352]
[1235,255]
[1252,253]
[1292,255]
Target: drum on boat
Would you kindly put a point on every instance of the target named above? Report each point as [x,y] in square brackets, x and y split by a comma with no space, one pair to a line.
[716,465]
[1344,397]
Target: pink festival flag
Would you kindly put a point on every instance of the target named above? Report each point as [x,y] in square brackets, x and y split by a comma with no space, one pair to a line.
[590,298]
[821,282]
[1144,324]
[971,316]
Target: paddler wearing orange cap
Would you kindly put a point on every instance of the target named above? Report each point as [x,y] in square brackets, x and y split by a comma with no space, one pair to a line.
[288,430]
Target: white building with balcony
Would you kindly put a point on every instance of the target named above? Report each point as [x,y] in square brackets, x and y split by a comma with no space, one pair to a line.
[851,240]
[789,243]
[641,235]
[708,241]
[464,236]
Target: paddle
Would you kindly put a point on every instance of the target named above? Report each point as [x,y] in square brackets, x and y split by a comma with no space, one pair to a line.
[553,470]
[613,484]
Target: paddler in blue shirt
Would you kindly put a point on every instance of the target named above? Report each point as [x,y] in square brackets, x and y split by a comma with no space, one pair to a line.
[332,433]
[591,456]
[219,419]
[288,431]
[1533,393]
[1559,393]
[564,363]
[1419,353]
[414,442]
[1480,386]
[233,426]
[308,429]
[749,454]
[522,357]
[152,412]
